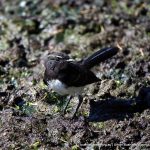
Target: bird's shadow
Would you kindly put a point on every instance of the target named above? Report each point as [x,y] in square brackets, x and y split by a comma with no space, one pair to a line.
[113,108]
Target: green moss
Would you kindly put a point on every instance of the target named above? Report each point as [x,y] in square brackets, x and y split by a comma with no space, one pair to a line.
[98,125]
[27,108]
[56,99]
[3,44]
[17,73]
[75,147]
[36,145]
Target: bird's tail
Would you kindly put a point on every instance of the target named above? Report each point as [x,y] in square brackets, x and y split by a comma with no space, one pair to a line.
[99,56]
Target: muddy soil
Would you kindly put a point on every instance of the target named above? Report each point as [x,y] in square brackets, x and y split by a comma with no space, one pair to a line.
[115,113]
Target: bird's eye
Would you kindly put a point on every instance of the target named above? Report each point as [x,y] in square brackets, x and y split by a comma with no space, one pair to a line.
[50,63]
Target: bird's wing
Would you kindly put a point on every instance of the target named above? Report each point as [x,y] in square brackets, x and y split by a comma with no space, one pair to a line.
[73,74]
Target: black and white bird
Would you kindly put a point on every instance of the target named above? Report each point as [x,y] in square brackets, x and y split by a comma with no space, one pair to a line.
[70,77]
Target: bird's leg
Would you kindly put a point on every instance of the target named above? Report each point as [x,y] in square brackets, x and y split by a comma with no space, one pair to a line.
[80,98]
[68,101]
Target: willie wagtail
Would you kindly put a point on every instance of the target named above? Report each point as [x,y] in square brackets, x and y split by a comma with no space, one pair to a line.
[69,77]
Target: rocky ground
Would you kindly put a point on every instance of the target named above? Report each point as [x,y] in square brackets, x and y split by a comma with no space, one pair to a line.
[115,113]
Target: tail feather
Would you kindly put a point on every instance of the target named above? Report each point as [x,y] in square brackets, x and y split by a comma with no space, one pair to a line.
[100,56]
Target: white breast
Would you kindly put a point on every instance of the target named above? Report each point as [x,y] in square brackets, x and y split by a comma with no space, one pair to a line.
[62,89]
